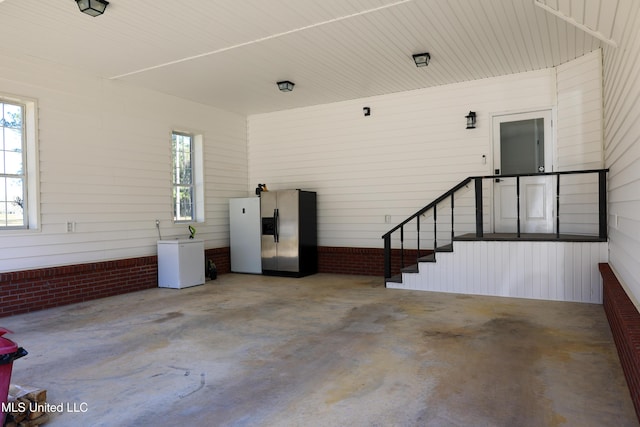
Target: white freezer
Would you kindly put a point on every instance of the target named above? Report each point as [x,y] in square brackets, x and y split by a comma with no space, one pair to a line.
[180,263]
[245,235]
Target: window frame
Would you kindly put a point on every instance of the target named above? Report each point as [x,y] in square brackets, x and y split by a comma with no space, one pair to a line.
[176,186]
[30,172]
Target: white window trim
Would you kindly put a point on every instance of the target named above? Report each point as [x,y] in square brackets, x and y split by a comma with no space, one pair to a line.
[198,176]
[32,162]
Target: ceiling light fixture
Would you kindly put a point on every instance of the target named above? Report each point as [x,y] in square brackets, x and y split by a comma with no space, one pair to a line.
[421,59]
[285,86]
[92,7]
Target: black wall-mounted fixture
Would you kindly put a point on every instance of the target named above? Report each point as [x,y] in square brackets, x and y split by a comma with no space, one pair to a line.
[471,120]
[366,111]
[286,86]
[421,59]
[259,189]
[92,7]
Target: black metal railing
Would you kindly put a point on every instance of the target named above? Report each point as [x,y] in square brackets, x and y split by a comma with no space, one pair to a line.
[479,213]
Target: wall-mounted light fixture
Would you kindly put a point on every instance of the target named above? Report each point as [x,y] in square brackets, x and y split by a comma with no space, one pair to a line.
[471,120]
[92,7]
[421,59]
[285,86]
[366,111]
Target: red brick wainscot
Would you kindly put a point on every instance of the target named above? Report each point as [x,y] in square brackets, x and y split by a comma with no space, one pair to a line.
[364,261]
[624,321]
[38,289]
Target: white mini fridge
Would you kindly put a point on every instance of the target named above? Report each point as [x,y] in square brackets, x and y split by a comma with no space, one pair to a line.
[244,233]
[180,263]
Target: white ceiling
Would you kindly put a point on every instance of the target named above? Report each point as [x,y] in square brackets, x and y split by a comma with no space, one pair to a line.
[230,53]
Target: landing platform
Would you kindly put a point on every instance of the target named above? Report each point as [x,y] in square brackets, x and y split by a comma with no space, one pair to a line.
[528,237]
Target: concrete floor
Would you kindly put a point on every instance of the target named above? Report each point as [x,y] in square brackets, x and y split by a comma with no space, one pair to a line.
[325,350]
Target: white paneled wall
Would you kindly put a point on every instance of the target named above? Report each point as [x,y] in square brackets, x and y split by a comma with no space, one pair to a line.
[558,271]
[104,157]
[580,127]
[412,148]
[104,153]
[622,151]
[580,141]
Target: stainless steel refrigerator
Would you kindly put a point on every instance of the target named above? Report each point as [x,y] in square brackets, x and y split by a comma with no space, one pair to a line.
[289,233]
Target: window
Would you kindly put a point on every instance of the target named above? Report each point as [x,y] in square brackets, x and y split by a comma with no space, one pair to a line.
[19,180]
[187,176]
[182,149]
[13,178]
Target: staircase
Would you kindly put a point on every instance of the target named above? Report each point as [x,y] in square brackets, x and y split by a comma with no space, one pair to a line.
[556,266]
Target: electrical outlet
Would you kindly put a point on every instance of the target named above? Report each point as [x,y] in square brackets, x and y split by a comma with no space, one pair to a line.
[387,219]
[157,223]
[69,227]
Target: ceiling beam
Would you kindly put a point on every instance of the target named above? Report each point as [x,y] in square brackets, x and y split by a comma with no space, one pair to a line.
[575,23]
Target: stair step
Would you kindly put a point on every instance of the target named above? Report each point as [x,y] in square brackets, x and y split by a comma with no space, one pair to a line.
[414,267]
[410,269]
[428,258]
[395,279]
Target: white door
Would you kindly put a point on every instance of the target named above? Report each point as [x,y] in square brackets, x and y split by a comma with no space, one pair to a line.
[522,144]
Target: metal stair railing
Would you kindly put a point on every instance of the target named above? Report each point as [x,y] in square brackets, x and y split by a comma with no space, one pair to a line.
[479,223]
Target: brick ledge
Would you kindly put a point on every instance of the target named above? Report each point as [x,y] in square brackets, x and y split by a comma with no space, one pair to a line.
[42,288]
[624,321]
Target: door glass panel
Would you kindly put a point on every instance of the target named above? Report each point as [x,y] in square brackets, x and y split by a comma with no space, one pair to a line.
[522,146]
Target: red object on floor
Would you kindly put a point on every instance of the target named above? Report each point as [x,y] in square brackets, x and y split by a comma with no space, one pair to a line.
[9,351]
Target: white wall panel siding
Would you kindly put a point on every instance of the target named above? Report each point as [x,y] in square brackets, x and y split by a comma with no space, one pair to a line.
[580,115]
[412,148]
[104,153]
[104,156]
[579,132]
[622,151]
[558,271]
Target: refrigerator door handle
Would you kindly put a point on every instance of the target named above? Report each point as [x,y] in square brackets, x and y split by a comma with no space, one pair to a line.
[276,220]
